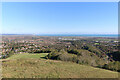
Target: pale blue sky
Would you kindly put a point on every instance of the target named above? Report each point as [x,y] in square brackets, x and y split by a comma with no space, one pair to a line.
[59,17]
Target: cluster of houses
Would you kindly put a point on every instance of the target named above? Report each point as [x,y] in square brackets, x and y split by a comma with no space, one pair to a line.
[24,45]
[20,44]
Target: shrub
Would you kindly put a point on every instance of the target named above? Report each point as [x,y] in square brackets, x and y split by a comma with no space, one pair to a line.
[65,57]
[114,66]
[74,51]
[53,55]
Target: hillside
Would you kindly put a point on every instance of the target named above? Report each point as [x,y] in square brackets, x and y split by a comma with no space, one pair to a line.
[34,65]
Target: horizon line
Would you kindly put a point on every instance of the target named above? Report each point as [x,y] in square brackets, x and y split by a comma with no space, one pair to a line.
[59,34]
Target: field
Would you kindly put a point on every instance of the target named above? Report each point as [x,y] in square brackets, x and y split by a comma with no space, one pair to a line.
[35,66]
[27,56]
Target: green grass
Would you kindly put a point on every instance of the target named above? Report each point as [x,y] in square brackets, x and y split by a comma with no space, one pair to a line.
[32,66]
[28,56]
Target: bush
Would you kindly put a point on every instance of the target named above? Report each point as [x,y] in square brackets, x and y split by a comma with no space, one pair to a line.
[73,51]
[65,57]
[53,55]
[62,55]
[114,66]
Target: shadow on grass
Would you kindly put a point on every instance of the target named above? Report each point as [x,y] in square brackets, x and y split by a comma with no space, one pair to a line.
[43,57]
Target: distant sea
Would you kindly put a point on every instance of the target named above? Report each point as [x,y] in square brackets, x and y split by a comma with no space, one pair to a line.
[82,35]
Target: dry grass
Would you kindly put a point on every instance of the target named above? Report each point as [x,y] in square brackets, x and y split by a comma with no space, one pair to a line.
[42,68]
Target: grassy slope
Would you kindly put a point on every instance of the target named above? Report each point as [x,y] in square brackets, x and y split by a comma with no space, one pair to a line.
[31,65]
[27,56]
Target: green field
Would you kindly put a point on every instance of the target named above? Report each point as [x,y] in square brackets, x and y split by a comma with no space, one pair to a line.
[34,66]
[28,56]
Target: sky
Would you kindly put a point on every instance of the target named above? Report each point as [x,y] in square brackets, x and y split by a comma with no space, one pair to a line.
[59,17]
